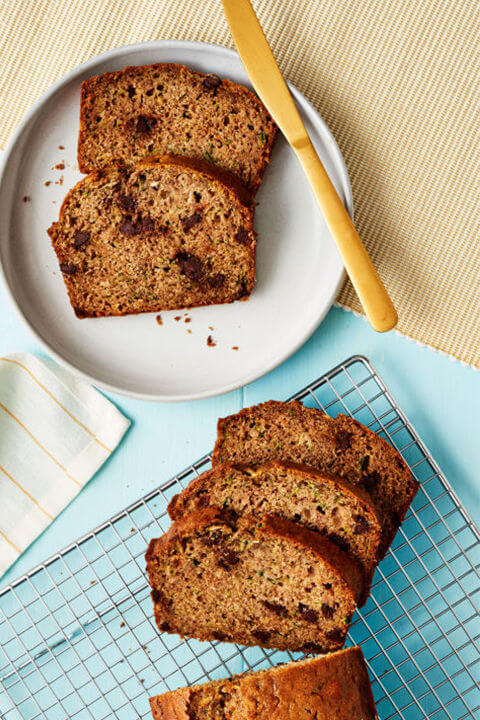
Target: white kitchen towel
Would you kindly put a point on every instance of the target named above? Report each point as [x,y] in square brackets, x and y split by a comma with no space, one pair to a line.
[55,433]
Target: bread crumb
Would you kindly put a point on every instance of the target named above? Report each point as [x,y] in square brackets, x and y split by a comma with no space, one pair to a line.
[177,317]
[59,166]
[159,320]
[187,319]
[59,181]
[61,147]
[47,183]
[234,347]
[26,198]
[210,328]
[189,332]
[210,341]
[122,624]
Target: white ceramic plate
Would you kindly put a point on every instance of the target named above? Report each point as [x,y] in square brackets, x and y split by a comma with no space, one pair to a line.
[298,268]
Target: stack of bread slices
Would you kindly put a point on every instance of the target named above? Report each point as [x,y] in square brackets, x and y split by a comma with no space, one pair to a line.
[277,544]
[164,218]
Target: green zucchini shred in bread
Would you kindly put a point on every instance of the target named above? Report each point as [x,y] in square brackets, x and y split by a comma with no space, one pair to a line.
[321,502]
[331,687]
[255,581]
[291,432]
[171,109]
[166,234]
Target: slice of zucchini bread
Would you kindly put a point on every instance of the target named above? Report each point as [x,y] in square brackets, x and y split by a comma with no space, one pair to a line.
[289,431]
[169,233]
[255,581]
[331,686]
[320,502]
[170,109]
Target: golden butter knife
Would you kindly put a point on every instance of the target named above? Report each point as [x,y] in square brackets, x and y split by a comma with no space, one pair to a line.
[267,80]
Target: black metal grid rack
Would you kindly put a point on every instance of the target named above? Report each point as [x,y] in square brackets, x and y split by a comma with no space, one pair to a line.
[78,638]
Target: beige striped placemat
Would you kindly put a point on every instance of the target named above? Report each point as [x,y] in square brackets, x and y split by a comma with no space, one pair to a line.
[397,82]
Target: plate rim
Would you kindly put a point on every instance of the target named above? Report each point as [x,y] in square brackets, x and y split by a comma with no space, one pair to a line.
[112,388]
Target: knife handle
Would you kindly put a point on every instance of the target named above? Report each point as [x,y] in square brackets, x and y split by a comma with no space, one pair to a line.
[365,279]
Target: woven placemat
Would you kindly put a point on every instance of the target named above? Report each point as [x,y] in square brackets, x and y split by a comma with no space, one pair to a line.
[396,81]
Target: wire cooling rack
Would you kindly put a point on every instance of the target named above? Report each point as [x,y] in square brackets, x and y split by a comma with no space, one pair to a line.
[78,638]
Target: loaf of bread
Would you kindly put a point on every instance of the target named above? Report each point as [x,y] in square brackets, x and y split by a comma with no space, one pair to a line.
[331,687]
[288,431]
[255,581]
[170,109]
[170,233]
[320,502]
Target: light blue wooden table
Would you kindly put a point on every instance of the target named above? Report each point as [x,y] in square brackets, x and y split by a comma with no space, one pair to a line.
[440,397]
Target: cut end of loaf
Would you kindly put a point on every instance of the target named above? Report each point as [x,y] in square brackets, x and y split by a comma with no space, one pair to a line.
[333,686]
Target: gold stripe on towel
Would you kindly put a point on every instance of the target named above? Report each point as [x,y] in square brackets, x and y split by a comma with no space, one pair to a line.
[49,454]
[20,487]
[75,419]
[12,544]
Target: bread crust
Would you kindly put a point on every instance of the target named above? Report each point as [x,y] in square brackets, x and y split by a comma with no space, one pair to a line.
[171,705]
[93,86]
